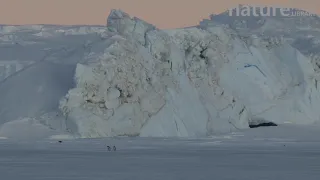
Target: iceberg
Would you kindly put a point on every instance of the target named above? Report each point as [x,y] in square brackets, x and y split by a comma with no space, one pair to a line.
[190,82]
[130,78]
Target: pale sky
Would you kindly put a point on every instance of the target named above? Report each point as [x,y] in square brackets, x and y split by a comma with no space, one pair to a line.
[162,13]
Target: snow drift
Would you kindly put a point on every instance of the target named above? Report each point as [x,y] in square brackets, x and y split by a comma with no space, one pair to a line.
[132,79]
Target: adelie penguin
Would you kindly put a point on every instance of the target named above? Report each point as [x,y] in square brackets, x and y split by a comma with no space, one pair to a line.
[109,148]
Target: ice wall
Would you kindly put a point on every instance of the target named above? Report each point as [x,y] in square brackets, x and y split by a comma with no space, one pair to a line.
[187,83]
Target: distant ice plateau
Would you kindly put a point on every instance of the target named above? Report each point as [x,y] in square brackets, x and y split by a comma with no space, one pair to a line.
[130,78]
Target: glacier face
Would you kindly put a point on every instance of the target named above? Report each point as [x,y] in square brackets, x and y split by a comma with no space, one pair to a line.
[190,82]
[132,79]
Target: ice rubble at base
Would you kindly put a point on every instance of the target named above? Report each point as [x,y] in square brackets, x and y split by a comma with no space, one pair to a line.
[188,82]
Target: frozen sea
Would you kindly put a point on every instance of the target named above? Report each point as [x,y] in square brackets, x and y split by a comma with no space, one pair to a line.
[274,153]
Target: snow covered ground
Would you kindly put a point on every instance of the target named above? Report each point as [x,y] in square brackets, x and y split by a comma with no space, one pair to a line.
[275,153]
